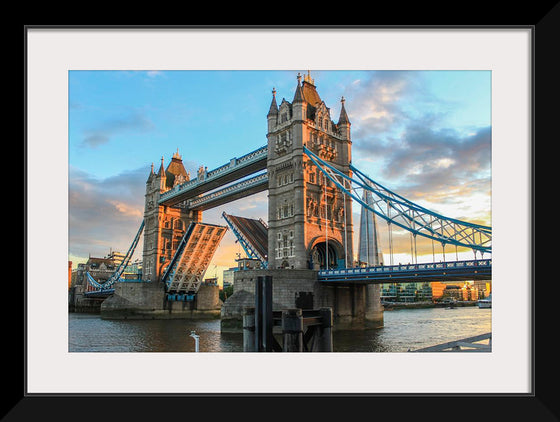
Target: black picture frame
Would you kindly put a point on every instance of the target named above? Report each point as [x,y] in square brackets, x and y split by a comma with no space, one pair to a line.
[540,405]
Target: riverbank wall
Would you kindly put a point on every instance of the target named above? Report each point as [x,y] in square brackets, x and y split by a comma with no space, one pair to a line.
[389,306]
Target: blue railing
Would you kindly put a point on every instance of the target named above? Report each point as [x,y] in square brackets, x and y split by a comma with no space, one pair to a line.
[479,267]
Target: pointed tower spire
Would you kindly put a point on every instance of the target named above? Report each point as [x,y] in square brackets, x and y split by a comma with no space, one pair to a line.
[273,106]
[161,171]
[298,97]
[151,175]
[343,119]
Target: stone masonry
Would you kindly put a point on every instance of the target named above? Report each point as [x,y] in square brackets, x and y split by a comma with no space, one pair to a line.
[353,306]
[306,212]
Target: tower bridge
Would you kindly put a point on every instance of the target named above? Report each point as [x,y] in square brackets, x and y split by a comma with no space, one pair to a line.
[306,244]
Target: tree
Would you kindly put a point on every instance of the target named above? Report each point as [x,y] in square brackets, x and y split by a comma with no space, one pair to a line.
[225,293]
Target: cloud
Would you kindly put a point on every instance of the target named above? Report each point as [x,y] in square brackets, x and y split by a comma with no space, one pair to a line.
[375,107]
[106,213]
[102,134]
[154,73]
[401,140]
[439,169]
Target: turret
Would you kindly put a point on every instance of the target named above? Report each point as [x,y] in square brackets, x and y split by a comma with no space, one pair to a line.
[272,115]
[151,175]
[299,105]
[343,127]
[343,122]
[161,176]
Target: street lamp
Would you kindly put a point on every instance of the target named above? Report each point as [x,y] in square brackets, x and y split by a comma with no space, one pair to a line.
[196,337]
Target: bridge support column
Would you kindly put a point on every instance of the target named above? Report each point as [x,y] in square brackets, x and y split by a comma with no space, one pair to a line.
[374,308]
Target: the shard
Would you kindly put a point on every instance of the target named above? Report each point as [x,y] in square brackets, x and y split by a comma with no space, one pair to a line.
[369,252]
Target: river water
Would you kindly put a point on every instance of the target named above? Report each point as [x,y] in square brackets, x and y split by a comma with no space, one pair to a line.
[403,329]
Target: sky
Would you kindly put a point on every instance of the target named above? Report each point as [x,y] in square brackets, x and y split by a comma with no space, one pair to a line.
[425,135]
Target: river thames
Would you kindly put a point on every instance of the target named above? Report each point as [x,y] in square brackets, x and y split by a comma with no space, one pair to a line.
[403,329]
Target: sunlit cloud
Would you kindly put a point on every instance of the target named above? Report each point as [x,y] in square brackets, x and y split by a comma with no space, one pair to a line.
[104,214]
[126,209]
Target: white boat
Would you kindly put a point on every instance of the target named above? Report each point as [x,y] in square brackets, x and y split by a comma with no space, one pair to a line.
[485,303]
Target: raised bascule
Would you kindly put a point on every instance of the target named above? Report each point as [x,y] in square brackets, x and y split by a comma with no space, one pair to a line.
[306,245]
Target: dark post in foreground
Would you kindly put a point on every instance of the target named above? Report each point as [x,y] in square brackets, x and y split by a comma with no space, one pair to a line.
[302,330]
[263,314]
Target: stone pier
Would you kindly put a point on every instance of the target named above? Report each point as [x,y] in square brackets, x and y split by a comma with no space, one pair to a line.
[148,301]
[354,306]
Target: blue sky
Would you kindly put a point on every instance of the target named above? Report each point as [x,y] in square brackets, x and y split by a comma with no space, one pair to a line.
[423,134]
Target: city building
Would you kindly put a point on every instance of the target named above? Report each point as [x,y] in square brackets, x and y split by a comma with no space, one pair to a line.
[117,257]
[69,274]
[228,277]
[242,264]
[406,292]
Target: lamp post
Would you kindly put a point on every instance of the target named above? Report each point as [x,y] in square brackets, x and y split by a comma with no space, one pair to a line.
[196,337]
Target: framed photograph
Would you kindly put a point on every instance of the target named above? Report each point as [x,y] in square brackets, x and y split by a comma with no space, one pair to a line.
[465,94]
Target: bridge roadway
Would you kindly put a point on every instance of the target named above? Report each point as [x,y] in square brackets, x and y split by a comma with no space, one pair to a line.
[480,269]
[236,169]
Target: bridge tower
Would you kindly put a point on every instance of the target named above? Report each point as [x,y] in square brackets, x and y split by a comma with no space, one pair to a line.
[309,219]
[164,226]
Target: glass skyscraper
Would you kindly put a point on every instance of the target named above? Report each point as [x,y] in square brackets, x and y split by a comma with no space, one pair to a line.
[369,252]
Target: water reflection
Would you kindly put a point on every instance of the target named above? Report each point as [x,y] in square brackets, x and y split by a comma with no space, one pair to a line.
[403,330]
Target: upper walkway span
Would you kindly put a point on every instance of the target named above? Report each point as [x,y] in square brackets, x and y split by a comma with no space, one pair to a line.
[229,193]
[236,169]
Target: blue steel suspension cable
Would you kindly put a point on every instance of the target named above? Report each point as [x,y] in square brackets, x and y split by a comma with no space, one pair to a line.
[412,214]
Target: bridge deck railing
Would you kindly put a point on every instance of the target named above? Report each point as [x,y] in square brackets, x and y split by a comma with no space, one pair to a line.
[408,267]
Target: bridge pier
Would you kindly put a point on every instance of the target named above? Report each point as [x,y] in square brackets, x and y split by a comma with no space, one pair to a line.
[353,306]
[78,303]
[148,301]
[374,308]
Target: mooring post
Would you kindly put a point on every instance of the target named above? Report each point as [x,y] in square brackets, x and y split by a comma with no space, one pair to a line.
[324,333]
[259,314]
[249,329]
[292,330]
[263,315]
[196,337]
[267,313]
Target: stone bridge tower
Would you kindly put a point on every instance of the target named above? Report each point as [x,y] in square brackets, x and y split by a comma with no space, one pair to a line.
[164,226]
[310,220]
